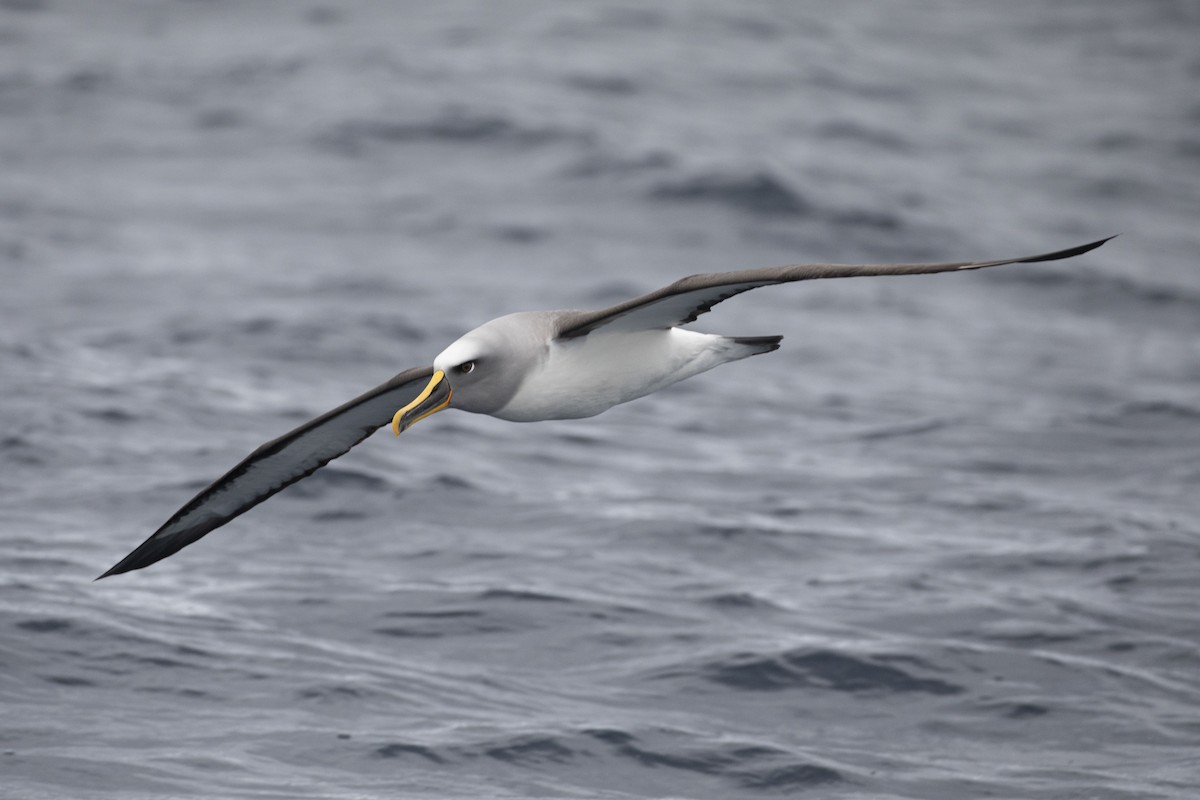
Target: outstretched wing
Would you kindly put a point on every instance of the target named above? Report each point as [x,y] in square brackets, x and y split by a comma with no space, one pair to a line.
[276,465]
[686,299]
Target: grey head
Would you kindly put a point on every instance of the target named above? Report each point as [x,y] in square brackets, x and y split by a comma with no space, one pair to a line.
[483,370]
[486,366]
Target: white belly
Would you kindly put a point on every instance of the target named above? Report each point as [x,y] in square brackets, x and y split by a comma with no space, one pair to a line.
[583,377]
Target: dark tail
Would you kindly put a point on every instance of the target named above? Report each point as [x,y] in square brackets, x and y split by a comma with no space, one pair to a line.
[758,344]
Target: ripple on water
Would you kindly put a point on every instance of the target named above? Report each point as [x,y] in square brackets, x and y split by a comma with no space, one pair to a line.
[354,137]
[47,625]
[603,84]
[759,193]
[1150,414]
[20,450]
[739,601]
[641,760]
[496,611]
[814,669]
[886,139]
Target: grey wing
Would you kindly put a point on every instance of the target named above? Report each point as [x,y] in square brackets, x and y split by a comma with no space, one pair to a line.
[686,299]
[276,465]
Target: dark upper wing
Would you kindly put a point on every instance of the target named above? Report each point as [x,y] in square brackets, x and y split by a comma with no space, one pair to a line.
[277,464]
[686,299]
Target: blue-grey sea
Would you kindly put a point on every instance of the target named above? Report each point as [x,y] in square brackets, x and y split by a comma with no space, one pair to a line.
[944,544]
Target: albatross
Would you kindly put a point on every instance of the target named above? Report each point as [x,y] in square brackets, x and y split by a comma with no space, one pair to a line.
[523,367]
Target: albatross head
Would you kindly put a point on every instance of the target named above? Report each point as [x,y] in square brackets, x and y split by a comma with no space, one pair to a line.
[483,370]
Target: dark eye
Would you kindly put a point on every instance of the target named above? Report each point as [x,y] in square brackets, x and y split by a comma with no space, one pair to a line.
[466,367]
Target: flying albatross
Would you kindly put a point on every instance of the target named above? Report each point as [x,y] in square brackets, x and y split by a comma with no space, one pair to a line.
[524,367]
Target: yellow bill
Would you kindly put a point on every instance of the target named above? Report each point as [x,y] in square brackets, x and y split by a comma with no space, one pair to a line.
[432,399]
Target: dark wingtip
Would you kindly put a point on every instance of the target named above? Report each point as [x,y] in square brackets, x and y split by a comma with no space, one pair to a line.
[1069,252]
[149,552]
[124,565]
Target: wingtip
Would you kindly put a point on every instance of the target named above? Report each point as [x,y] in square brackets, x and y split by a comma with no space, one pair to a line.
[1070,252]
[1098,242]
[148,552]
[115,569]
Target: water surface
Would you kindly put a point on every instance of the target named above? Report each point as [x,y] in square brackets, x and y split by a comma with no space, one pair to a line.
[943,544]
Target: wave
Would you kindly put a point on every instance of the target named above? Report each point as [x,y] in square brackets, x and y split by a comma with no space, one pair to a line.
[604,84]
[87,653]
[501,609]
[739,601]
[754,192]
[44,625]
[916,428]
[1018,710]
[356,136]
[17,449]
[762,193]
[600,162]
[522,596]
[814,669]
[1148,412]
[584,753]
[878,138]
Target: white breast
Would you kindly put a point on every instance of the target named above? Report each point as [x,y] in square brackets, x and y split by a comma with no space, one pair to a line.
[585,376]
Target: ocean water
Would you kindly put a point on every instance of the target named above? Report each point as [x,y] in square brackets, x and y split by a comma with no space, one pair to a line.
[944,544]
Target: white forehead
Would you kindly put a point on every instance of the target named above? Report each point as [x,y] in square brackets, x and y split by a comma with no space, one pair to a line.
[467,348]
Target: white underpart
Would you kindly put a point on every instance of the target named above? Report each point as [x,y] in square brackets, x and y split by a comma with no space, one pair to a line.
[583,377]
